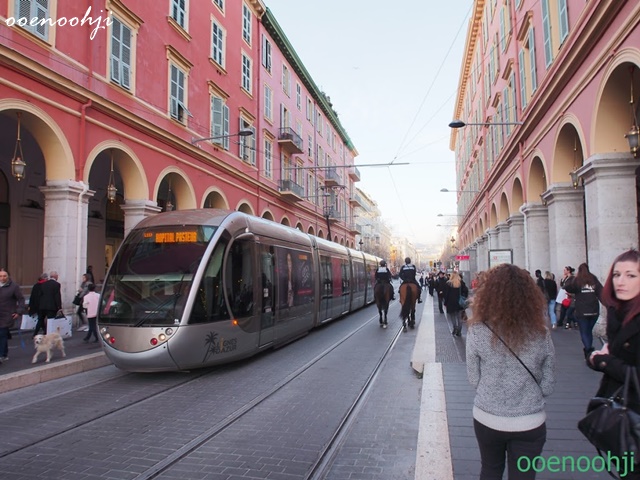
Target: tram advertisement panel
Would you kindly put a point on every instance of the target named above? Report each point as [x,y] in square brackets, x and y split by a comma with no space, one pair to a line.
[295,281]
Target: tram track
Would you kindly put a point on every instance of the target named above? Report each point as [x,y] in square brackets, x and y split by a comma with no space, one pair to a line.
[323,460]
[158,393]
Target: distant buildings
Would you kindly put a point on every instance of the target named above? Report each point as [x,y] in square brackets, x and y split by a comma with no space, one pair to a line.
[562,187]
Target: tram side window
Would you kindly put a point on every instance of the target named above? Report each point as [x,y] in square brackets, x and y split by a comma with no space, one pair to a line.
[239,278]
[346,277]
[327,277]
[209,304]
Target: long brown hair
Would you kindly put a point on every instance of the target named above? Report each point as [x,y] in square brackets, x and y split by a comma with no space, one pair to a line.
[609,298]
[511,303]
[584,276]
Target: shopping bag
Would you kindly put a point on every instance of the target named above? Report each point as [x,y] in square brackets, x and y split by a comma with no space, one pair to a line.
[60,325]
[28,322]
[562,294]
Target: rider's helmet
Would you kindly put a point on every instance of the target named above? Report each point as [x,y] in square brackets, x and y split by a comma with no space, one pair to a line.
[407,260]
[383,263]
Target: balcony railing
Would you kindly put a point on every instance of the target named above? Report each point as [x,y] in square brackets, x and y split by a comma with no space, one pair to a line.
[291,190]
[354,174]
[331,178]
[290,140]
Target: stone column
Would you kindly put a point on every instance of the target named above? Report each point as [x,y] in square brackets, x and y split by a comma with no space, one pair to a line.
[492,233]
[504,239]
[516,232]
[567,242]
[536,234]
[611,208]
[472,251]
[136,210]
[483,253]
[65,234]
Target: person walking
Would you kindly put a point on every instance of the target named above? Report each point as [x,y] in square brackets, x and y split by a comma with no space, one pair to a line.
[621,296]
[34,297]
[91,303]
[440,284]
[49,303]
[551,290]
[566,308]
[12,306]
[83,326]
[453,289]
[587,290]
[511,365]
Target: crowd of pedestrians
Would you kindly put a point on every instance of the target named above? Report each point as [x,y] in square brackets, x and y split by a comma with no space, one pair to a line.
[510,354]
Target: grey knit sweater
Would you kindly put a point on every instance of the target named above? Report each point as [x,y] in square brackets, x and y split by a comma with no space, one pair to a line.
[507,398]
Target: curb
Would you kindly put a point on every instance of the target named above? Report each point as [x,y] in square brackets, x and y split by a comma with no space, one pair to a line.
[44,373]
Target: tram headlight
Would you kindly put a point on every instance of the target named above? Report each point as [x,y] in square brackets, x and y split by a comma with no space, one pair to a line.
[162,337]
[169,331]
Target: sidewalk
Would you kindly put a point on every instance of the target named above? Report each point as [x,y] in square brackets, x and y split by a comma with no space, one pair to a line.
[18,371]
[447,446]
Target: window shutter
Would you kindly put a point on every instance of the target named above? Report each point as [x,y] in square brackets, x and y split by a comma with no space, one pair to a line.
[125,58]
[42,12]
[225,126]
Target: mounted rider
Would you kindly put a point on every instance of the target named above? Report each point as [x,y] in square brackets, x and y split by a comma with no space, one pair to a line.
[408,274]
[383,275]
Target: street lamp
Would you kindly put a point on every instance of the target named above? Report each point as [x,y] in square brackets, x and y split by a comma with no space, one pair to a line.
[446,190]
[241,133]
[457,123]
[449,215]
[360,243]
[439,225]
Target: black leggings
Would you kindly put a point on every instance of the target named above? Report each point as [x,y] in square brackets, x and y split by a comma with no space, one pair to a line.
[494,445]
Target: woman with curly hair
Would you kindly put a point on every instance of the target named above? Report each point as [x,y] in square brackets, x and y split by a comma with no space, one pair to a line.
[510,362]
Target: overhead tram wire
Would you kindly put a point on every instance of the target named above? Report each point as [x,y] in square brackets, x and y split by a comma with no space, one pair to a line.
[424,99]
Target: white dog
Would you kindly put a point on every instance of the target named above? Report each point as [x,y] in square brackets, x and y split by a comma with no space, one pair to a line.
[46,343]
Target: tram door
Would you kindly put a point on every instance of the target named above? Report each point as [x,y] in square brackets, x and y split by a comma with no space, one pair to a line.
[267,319]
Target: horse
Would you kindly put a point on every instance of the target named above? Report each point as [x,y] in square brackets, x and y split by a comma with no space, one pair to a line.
[382,293]
[408,296]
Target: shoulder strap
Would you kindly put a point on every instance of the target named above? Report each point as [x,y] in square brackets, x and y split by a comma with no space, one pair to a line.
[514,353]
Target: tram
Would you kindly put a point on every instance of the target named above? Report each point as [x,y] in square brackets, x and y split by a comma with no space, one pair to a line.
[194,288]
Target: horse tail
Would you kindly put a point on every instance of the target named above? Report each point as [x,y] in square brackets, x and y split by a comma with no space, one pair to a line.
[408,302]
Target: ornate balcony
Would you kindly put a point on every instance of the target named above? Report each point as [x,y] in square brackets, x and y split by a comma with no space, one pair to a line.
[356,201]
[290,141]
[354,174]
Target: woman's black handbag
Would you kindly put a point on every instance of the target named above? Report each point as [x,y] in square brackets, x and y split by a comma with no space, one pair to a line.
[77,300]
[612,427]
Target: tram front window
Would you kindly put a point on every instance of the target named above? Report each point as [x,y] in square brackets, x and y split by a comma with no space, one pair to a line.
[149,281]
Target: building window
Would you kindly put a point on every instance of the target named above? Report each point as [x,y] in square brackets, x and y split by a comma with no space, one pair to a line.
[179,12]
[268,103]
[546,32]
[285,119]
[246,73]
[217,43]
[247,145]
[29,9]
[563,20]
[268,158]
[309,110]
[532,61]
[220,4]
[177,104]
[120,54]
[319,123]
[266,53]
[310,146]
[286,80]
[246,23]
[298,96]
[219,122]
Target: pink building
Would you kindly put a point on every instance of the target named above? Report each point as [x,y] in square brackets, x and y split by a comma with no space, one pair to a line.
[167,102]
[548,89]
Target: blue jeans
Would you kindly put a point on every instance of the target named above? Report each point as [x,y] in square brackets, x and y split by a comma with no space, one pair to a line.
[552,312]
[586,325]
[4,341]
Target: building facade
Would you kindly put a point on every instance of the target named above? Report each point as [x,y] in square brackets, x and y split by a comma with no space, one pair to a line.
[121,109]
[549,92]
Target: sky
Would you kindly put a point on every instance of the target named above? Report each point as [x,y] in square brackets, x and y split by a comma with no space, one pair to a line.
[392,72]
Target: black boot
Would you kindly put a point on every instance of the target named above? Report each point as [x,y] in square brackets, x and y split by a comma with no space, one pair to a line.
[587,353]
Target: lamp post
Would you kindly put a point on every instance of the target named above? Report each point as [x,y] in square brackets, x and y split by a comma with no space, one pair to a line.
[360,243]
[446,190]
[457,123]
[241,133]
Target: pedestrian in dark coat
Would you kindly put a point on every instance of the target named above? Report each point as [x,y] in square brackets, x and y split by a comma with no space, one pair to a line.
[11,308]
[453,289]
[50,302]
[441,282]
[587,289]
